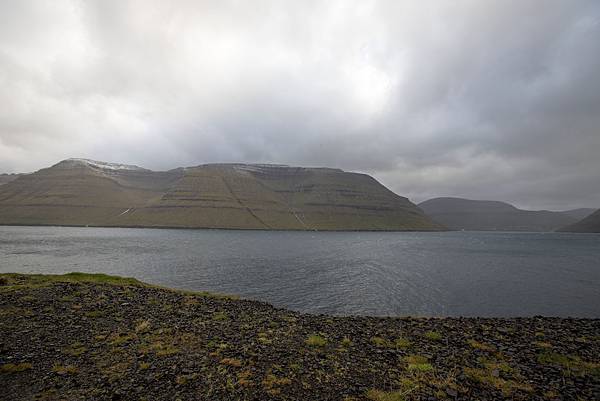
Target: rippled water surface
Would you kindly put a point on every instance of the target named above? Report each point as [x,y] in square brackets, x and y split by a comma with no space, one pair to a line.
[431,274]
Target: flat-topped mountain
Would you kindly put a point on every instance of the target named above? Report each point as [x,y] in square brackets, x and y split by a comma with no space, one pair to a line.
[590,224]
[240,196]
[482,215]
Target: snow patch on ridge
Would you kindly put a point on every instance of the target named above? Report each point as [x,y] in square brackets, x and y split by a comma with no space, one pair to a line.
[258,167]
[263,168]
[105,166]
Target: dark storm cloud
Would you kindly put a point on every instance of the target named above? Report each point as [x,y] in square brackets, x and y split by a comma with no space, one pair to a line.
[495,100]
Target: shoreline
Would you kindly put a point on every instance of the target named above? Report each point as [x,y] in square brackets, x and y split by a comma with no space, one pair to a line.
[224,228]
[82,336]
[448,230]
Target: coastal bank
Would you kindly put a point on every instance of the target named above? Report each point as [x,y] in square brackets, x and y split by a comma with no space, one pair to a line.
[98,337]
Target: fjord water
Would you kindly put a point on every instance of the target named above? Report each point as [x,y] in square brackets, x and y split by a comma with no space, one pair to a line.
[341,273]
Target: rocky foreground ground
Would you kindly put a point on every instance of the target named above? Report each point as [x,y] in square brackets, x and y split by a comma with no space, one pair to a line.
[82,337]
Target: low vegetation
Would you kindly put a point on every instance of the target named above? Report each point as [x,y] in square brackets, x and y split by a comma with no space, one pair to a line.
[378,395]
[64,369]
[159,344]
[570,364]
[316,341]
[15,367]
[16,280]
[480,346]
[418,363]
[433,336]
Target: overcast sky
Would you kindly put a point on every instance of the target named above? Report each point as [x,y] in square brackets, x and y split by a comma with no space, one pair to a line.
[478,99]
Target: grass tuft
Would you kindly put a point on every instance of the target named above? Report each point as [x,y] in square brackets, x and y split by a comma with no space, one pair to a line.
[121,339]
[15,368]
[481,346]
[420,367]
[572,365]
[433,336]
[236,363]
[403,343]
[264,338]
[418,363]
[244,378]
[378,395]
[272,384]
[380,342]
[94,314]
[316,341]
[346,342]
[75,349]
[64,369]
[487,377]
[219,316]
[143,326]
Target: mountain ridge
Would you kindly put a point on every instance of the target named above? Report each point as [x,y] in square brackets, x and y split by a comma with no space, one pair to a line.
[580,213]
[222,195]
[589,224]
[485,215]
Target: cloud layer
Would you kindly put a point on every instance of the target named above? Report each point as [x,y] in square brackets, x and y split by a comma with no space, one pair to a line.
[489,100]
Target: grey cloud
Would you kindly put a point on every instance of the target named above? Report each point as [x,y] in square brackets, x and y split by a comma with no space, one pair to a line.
[496,100]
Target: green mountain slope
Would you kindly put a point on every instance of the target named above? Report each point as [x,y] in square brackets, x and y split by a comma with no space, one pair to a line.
[84,192]
[590,224]
[478,215]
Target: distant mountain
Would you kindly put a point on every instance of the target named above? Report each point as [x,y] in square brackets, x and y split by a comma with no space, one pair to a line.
[242,196]
[579,214]
[6,178]
[481,215]
[590,224]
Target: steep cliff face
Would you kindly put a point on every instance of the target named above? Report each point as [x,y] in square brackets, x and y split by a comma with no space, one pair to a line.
[480,215]
[84,192]
[590,224]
